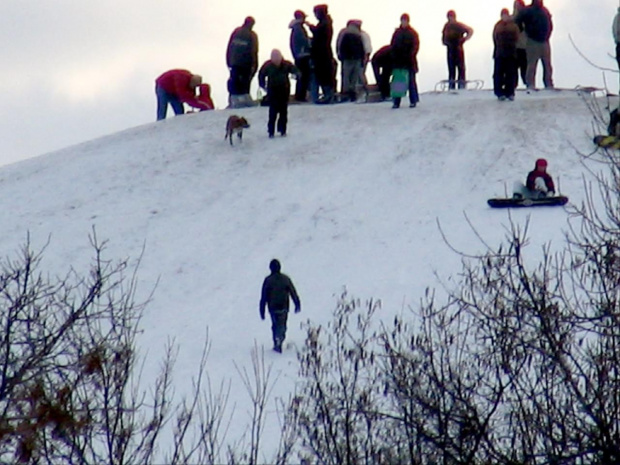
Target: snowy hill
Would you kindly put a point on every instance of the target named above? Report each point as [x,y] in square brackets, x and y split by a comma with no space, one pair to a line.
[351,198]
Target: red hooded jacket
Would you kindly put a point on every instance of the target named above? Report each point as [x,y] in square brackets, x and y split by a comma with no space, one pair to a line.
[531,180]
[176,82]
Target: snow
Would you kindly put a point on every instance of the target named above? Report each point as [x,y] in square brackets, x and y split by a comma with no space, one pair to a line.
[354,198]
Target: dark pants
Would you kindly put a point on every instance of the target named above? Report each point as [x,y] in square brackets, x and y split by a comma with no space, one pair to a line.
[521,67]
[239,82]
[382,78]
[504,76]
[278,110]
[414,96]
[456,62]
[303,82]
[163,99]
[278,325]
[325,76]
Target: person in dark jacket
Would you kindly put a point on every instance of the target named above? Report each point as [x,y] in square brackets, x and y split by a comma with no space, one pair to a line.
[505,38]
[404,51]
[382,69]
[350,51]
[242,58]
[274,77]
[276,293]
[453,36]
[300,48]
[519,5]
[322,55]
[535,20]
[176,87]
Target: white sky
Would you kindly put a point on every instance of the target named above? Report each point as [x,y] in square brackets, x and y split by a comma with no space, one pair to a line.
[76,70]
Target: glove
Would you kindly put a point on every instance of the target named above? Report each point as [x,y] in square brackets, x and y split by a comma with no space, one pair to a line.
[262,313]
[297,309]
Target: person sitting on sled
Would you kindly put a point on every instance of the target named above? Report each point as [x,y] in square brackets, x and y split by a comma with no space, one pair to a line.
[538,184]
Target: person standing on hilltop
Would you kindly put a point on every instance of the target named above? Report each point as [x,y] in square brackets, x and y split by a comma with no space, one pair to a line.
[453,36]
[505,37]
[300,48]
[350,51]
[274,77]
[535,20]
[521,46]
[322,54]
[242,60]
[404,51]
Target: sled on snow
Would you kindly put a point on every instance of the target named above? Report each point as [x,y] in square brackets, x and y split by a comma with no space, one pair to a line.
[444,85]
[513,202]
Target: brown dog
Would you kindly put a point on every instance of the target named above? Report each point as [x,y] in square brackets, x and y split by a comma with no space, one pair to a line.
[235,124]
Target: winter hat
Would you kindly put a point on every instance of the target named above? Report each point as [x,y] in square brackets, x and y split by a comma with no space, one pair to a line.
[274,266]
[541,162]
[249,22]
[451,14]
[299,14]
[404,17]
[276,57]
[504,12]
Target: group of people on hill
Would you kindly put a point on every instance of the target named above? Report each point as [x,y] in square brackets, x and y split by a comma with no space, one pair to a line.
[521,40]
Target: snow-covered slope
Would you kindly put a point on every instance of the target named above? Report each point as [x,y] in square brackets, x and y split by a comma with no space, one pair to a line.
[351,198]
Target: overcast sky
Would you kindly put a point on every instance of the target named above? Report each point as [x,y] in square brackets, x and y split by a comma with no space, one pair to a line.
[75,70]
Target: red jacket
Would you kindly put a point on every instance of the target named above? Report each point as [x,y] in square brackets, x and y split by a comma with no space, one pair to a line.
[531,180]
[176,83]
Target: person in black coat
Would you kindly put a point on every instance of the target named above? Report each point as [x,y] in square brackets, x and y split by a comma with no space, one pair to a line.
[300,48]
[453,36]
[276,293]
[274,77]
[382,69]
[405,45]
[505,38]
[322,54]
[242,58]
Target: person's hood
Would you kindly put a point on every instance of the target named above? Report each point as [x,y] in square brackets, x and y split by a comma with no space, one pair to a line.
[294,22]
[321,12]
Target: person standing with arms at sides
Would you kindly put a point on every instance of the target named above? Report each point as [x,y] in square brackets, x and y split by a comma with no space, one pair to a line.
[322,54]
[242,60]
[505,37]
[535,20]
[404,50]
[300,48]
[274,77]
[454,35]
[276,293]
[521,46]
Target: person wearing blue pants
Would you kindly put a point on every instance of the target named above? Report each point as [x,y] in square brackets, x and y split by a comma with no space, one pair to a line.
[276,293]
